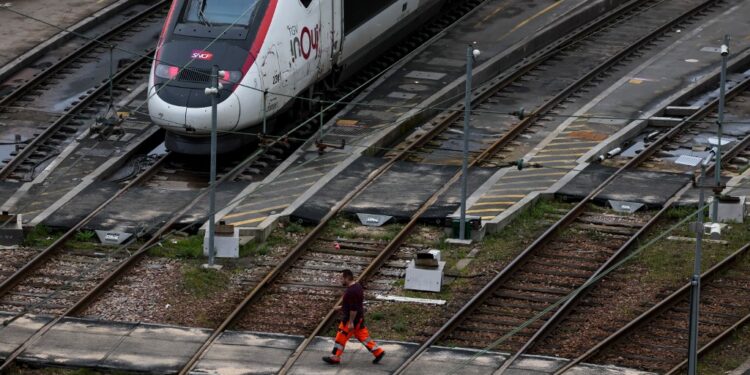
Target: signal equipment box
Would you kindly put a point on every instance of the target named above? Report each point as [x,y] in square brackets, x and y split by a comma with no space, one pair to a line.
[425,272]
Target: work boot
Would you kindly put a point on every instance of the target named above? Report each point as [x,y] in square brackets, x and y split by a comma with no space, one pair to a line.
[378,358]
[331,361]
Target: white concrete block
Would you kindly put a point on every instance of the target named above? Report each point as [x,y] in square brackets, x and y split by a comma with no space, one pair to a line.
[424,279]
[226,246]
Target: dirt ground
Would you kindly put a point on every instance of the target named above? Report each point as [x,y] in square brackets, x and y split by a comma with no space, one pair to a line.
[18,34]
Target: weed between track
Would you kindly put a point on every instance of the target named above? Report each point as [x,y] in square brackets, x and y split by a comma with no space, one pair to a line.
[728,355]
[671,262]
[415,322]
[201,282]
[40,236]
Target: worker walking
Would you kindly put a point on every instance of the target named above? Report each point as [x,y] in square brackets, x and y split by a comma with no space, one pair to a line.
[353,321]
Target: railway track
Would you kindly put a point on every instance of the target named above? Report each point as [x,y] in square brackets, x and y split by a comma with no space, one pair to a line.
[36,100]
[13,259]
[584,304]
[87,295]
[518,300]
[385,254]
[547,274]
[56,277]
[272,280]
[305,293]
[571,68]
[248,170]
[655,340]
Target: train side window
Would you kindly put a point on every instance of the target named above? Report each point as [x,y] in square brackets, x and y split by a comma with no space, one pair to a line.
[357,12]
[306,3]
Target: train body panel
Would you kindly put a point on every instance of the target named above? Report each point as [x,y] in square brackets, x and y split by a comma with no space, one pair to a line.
[268,51]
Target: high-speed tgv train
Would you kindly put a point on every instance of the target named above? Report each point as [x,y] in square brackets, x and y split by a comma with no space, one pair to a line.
[281,47]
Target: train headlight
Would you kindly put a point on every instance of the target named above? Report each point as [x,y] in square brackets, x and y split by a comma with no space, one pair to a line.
[229,76]
[166,71]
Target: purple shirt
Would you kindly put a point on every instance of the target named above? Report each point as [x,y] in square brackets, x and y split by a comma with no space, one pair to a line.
[354,298]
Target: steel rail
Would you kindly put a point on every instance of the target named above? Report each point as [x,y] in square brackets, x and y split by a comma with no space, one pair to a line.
[601,68]
[445,121]
[740,146]
[442,121]
[301,246]
[542,240]
[386,253]
[50,250]
[104,284]
[709,345]
[486,90]
[656,310]
[92,43]
[62,120]
[564,309]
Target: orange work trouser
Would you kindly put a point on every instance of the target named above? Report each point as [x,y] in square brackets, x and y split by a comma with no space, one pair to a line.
[361,333]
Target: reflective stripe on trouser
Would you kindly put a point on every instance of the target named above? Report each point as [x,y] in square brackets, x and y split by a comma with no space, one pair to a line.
[361,333]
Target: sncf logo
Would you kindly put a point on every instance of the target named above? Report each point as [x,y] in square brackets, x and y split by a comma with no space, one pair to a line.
[202,55]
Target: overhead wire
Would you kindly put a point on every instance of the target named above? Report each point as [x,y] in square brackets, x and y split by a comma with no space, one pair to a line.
[423,108]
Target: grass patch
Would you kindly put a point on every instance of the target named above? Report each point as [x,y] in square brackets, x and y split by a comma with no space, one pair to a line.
[85,235]
[294,228]
[203,282]
[179,247]
[40,236]
[400,321]
[524,229]
[252,249]
[669,262]
[728,355]
[84,240]
[344,228]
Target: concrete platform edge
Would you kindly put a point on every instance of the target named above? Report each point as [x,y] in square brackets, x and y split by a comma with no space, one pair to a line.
[19,62]
[539,42]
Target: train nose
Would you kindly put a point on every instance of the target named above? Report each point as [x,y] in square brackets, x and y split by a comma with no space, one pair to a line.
[195,120]
[228,115]
[186,108]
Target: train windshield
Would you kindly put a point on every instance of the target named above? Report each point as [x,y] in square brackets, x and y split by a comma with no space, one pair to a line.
[221,12]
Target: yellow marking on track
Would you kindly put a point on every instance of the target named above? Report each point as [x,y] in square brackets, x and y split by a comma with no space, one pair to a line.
[295,179]
[265,209]
[488,217]
[347,122]
[547,151]
[259,219]
[290,188]
[265,201]
[492,14]
[484,210]
[504,196]
[535,175]
[514,182]
[538,185]
[535,16]
[572,143]
[496,203]
[293,172]
[547,156]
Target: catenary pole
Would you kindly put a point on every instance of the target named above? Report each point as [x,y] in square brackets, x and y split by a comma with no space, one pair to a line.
[719,126]
[213,91]
[465,161]
[695,283]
